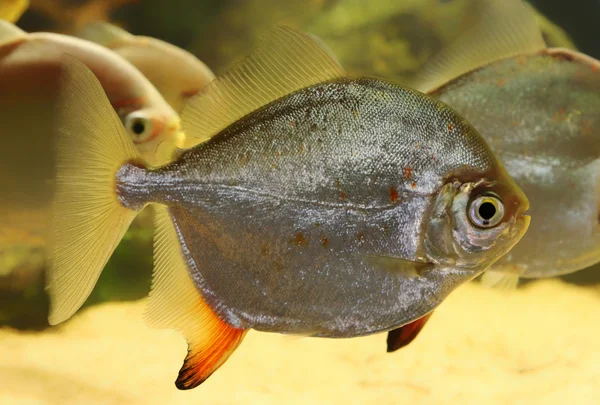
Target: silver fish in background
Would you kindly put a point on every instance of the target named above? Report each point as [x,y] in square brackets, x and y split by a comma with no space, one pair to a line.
[30,68]
[539,109]
[323,205]
[177,74]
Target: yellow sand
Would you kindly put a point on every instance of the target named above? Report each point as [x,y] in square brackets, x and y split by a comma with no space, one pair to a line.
[539,345]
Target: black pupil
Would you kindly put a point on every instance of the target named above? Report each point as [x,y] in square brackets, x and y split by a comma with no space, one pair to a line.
[487,211]
[138,127]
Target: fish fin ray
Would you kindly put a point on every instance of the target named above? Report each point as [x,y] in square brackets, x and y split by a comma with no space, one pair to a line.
[502,29]
[10,32]
[176,303]
[87,221]
[500,280]
[397,265]
[286,61]
[12,10]
[404,335]
[103,33]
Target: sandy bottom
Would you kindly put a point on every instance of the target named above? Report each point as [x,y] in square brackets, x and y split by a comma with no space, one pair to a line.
[538,345]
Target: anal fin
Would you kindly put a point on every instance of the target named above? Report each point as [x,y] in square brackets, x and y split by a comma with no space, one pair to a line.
[176,303]
[402,336]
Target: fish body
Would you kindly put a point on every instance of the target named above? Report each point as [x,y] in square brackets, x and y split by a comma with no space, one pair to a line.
[30,68]
[541,116]
[300,190]
[177,74]
[322,205]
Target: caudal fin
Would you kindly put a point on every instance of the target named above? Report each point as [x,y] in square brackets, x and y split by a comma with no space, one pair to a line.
[88,221]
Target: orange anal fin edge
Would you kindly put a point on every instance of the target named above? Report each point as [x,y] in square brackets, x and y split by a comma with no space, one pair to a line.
[207,355]
[402,336]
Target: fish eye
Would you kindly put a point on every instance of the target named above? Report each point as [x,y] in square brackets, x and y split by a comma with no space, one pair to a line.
[486,211]
[139,127]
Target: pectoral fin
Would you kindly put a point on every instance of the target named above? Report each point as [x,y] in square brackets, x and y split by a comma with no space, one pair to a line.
[402,336]
[500,280]
[397,265]
[176,303]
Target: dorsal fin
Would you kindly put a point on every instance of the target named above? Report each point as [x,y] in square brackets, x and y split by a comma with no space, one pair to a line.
[103,33]
[10,32]
[11,10]
[502,29]
[286,61]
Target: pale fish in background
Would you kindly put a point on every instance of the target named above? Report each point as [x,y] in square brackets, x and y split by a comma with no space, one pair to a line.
[321,205]
[539,109]
[30,72]
[11,10]
[30,65]
[177,74]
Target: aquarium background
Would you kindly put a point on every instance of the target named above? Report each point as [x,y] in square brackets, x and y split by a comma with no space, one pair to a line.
[387,38]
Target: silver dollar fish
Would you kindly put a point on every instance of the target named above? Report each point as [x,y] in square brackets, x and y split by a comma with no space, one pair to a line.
[323,205]
[539,109]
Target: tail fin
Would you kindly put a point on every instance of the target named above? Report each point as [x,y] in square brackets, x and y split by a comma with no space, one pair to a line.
[88,221]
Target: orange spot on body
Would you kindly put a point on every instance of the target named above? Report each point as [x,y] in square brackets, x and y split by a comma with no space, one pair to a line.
[292,124]
[360,238]
[265,250]
[413,185]
[300,240]
[500,82]
[324,241]
[586,127]
[559,116]
[407,172]
[342,195]
[450,126]
[190,93]
[393,194]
